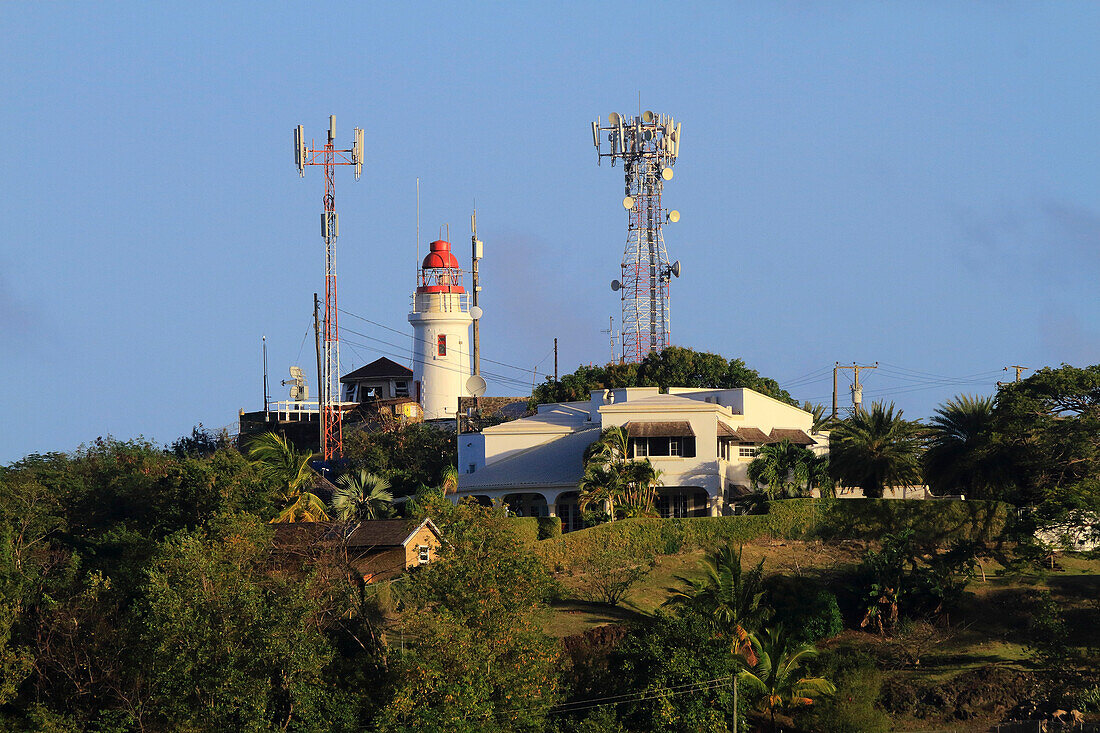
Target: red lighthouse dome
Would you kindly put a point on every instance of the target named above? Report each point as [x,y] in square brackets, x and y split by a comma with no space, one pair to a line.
[440,271]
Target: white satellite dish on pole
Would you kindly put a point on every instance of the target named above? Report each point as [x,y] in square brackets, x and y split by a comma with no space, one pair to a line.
[628,202]
[647,117]
[614,119]
[475,385]
[674,216]
[666,174]
[476,313]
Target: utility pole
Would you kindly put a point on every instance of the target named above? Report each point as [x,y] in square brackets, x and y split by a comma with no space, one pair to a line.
[266,399]
[1019,370]
[555,360]
[320,371]
[857,388]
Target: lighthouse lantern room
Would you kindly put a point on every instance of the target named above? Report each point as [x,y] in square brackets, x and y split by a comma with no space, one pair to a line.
[441,322]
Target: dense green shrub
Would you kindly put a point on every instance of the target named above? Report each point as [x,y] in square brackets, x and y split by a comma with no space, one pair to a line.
[526,529]
[549,527]
[933,523]
[808,610]
[854,707]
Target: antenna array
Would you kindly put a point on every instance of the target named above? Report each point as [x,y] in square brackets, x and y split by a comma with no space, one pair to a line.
[332,434]
[648,146]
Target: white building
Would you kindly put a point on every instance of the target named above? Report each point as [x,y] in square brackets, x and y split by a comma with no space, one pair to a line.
[702,441]
[441,323]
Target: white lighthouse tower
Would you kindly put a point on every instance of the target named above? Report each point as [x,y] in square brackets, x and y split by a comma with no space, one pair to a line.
[441,333]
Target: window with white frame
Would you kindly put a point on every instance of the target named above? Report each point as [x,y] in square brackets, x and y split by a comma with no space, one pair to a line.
[747,451]
[424,554]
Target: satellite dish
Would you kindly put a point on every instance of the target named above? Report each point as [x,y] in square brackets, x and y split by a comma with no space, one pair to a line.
[666,174]
[647,117]
[614,118]
[675,269]
[674,216]
[475,385]
[616,285]
[628,202]
[476,313]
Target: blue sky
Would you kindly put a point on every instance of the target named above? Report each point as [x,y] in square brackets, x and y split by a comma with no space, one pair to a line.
[912,183]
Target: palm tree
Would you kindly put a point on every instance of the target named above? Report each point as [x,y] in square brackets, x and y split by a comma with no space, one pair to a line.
[821,420]
[280,462]
[783,467]
[960,454]
[876,449]
[601,485]
[361,495]
[449,480]
[728,595]
[775,676]
[640,488]
[819,476]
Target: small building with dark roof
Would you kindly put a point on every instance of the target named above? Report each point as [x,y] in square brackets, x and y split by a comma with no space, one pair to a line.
[374,550]
[383,386]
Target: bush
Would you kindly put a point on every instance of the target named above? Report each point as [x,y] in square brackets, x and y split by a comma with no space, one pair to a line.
[807,609]
[854,707]
[549,527]
[609,572]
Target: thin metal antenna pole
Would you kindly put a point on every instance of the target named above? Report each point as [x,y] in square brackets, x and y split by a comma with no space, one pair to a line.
[320,370]
[266,399]
[418,225]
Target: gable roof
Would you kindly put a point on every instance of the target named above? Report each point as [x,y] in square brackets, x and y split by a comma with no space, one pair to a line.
[387,532]
[752,435]
[558,462]
[379,533]
[794,435]
[382,368]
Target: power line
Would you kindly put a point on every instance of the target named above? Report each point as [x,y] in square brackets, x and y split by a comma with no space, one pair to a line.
[413,337]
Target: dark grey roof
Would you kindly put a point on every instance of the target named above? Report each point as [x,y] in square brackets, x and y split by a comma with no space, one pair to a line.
[725,431]
[382,368]
[794,435]
[374,533]
[752,435]
[656,429]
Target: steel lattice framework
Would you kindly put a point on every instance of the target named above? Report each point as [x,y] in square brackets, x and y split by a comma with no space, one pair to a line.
[648,146]
[332,433]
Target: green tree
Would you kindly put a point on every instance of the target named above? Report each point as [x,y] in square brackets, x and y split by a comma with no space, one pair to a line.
[361,495]
[665,654]
[230,647]
[614,481]
[475,656]
[408,456]
[960,457]
[876,449]
[674,366]
[727,595]
[783,467]
[278,461]
[1047,431]
[775,674]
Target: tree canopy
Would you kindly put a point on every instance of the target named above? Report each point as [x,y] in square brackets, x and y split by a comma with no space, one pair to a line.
[674,366]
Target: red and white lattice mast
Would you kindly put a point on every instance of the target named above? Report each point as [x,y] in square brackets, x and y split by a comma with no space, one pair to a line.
[648,146]
[332,434]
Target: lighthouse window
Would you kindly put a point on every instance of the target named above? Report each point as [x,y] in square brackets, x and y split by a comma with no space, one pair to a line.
[442,344]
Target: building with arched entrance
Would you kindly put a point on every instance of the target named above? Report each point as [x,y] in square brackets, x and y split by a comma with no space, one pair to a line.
[701,440]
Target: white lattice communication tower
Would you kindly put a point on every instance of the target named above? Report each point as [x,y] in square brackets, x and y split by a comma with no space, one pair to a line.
[647,146]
